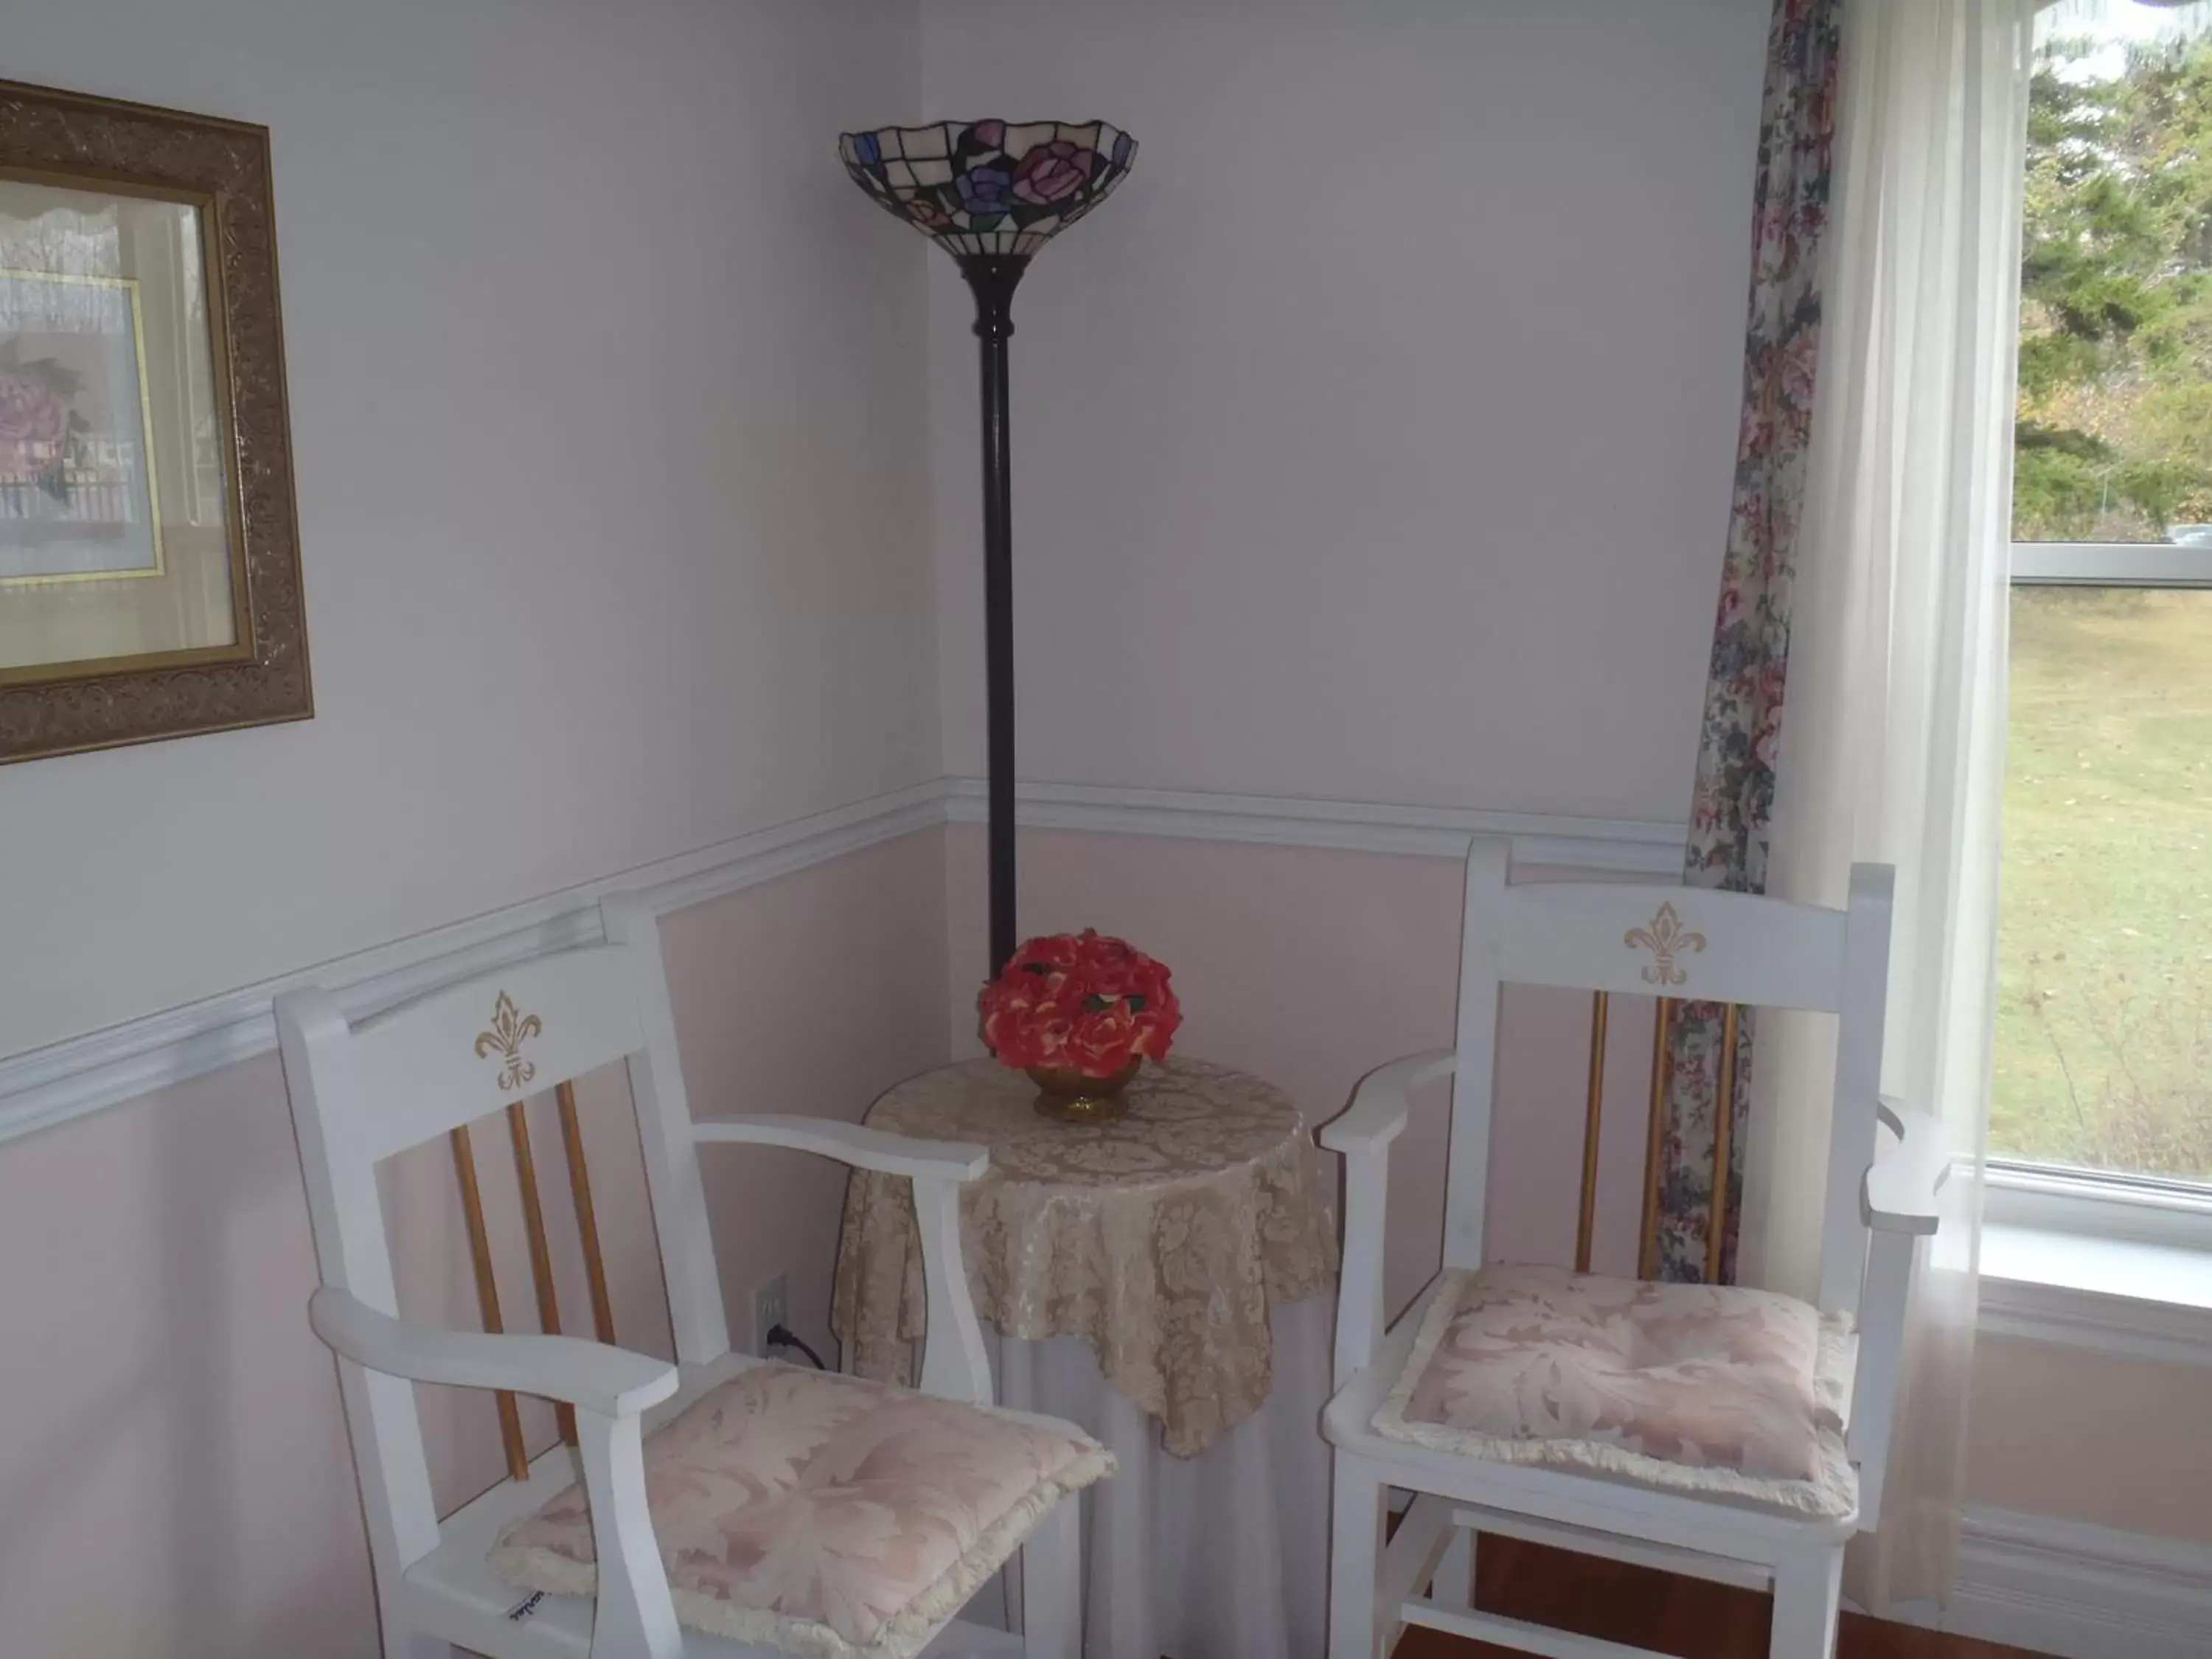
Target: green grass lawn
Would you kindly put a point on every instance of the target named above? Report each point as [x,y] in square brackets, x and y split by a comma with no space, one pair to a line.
[2104,1040]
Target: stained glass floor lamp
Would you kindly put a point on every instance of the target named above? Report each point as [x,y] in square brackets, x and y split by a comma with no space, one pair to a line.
[991,193]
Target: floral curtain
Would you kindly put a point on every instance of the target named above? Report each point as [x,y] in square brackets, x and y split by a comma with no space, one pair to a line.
[1733,800]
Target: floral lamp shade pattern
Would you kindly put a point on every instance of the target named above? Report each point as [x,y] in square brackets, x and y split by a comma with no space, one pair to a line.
[989,186]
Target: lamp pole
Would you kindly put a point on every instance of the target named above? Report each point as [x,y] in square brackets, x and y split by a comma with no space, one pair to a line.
[993,277]
[990,193]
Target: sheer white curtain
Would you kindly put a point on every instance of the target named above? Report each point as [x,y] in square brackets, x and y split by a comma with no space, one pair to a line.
[1893,742]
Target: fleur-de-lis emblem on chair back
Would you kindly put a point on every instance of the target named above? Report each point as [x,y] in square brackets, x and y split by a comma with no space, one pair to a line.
[1666,938]
[510,1028]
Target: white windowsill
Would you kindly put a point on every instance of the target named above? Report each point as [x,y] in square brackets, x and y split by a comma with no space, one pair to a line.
[2122,1268]
[2066,1261]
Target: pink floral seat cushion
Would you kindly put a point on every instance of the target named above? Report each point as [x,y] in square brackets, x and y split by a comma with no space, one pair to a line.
[823,1515]
[1711,1388]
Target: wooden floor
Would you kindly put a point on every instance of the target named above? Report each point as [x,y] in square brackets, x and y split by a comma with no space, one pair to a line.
[1680,1616]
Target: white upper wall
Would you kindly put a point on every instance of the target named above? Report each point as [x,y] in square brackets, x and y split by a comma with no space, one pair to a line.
[612,504]
[1374,440]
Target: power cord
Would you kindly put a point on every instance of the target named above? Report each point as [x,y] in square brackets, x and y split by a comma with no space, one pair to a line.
[782,1336]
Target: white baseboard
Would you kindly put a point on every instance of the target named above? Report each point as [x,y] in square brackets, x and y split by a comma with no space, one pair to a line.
[2077,1590]
[47,1086]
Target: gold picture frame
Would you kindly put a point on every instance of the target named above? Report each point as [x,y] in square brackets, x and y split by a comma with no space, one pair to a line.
[149,571]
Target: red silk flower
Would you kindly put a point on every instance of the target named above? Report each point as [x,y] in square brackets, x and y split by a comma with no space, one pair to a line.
[1081,1001]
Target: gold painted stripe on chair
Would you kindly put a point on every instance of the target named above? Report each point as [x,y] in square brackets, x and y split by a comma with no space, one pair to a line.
[541,1256]
[1647,1248]
[1723,1132]
[510,1416]
[1592,1114]
[587,1220]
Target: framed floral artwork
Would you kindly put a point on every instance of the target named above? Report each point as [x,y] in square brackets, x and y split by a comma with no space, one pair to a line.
[150,578]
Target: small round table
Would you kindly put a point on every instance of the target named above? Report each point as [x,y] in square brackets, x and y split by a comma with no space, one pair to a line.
[1161,1280]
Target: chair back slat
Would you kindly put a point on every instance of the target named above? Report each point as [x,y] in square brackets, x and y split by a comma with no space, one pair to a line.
[1593,1124]
[588,1215]
[541,1252]
[488,1309]
[1656,1079]
[465,1051]
[1724,1138]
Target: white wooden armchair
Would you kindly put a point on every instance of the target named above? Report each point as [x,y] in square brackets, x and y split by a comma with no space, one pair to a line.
[1725,1433]
[532,1568]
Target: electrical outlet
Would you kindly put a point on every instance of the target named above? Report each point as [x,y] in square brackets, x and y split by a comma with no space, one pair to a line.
[771,1308]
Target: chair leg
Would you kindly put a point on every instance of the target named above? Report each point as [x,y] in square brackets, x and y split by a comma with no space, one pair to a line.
[1807,1588]
[399,1642]
[1052,1585]
[405,1644]
[1355,1562]
[1453,1585]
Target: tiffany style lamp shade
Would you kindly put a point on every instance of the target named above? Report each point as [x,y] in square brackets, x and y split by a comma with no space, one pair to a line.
[991,193]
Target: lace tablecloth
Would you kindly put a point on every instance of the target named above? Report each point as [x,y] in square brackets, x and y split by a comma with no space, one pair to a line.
[1165,1237]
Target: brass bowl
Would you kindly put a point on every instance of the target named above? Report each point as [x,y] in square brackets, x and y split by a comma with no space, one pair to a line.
[1073,1097]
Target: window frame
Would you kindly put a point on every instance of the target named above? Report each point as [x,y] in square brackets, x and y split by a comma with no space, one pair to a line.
[2110,564]
[2066,1198]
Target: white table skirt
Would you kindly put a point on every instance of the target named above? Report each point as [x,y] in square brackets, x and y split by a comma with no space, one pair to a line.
[1220,1556]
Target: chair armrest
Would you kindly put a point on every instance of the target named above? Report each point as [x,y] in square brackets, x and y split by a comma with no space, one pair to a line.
[1899,1194]
[1362,1132]
[954,1365]
[849,1143]
[612,1382]
[1377,1113]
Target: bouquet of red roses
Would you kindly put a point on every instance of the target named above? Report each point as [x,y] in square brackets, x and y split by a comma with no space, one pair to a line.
[1081,1001]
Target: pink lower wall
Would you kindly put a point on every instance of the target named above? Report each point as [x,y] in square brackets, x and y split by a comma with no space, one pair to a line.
[1308,969]
[811,995]
[173,1471]
[2084,1436]
[174,1477]
[1311,966]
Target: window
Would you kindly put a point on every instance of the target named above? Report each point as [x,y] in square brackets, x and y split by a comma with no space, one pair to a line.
[2104,1047]
[2103,1031]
